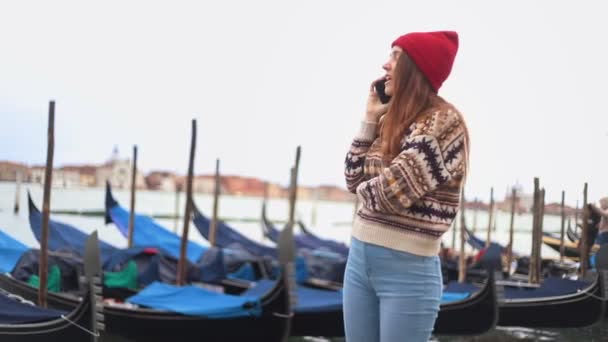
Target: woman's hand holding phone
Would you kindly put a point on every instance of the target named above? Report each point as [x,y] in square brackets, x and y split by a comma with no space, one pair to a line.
[375,107]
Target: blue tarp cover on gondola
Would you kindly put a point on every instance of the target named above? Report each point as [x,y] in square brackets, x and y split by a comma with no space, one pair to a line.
[455,291]
[245,272]
[14,312]
[478,243]
[307,241]
[227,237]
[456,287]
[148,233]
[449,297]
[331,245]
[195,301]
[309,299]
[64,236]
[10,252]
[317,300]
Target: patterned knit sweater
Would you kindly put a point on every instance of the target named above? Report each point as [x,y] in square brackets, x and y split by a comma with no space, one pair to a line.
[409,203]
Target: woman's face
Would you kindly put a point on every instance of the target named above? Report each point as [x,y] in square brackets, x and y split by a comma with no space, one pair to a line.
[389,67]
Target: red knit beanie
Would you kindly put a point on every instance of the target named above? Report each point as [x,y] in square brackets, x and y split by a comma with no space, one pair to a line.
[433,53]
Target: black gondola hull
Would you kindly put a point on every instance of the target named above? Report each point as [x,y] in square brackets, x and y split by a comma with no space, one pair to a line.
[328,324]
[581,309]
[153,325]
[472,316]
[149,325]
[59,329]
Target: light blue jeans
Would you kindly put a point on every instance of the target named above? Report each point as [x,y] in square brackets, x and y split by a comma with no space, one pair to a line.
[390,296]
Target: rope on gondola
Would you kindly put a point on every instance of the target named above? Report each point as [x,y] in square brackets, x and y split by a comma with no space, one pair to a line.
[278,314]
[589,294]
[92,333]
[604,296]
[17,297]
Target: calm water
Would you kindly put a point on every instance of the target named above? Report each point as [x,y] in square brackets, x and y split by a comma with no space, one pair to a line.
[328,219]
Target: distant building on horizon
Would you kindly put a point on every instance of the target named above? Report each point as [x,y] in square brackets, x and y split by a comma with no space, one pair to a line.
[9,171]
[523,203]
[117,172]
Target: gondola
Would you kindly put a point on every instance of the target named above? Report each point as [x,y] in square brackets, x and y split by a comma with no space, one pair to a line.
[571,249]
[144,324]
[305,240]
[572,235]
[454,317]
[152,263]
[11,251]
[549,266]
[473,315]
[318,313]
[545,308]
[20,322]
[266,318]
[149,233]
[553,303]
[319,307]
[321,267]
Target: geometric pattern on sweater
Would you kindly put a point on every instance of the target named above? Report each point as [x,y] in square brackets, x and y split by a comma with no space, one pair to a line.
[419,190]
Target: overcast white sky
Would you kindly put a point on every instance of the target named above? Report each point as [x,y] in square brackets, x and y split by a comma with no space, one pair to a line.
[262,77]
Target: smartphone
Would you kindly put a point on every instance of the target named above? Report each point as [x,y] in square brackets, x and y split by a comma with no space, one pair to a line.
[379,86]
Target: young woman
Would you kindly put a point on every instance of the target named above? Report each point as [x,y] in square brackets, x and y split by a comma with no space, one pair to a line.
[407,166]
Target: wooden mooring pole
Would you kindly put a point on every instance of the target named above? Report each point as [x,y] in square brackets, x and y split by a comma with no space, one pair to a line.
[181,265]
[474,228]
[532,272]
[132,211]
[539,239]
[462,265]
[46,201]
[176,218]
[216,197]
[583,247]
[313,211]
[563,226]
[511,229]
[293,195]
[17,192]
[490,215]
[576,217]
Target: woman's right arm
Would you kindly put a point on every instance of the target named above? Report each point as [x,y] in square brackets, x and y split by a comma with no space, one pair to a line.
[355,157]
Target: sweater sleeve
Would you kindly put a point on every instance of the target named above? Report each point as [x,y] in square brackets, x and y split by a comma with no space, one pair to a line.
[426,162]
[355,157]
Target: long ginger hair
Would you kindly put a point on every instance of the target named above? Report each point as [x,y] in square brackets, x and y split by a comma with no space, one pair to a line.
[413,97]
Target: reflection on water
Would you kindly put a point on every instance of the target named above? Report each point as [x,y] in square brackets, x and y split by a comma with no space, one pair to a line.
[596,333]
